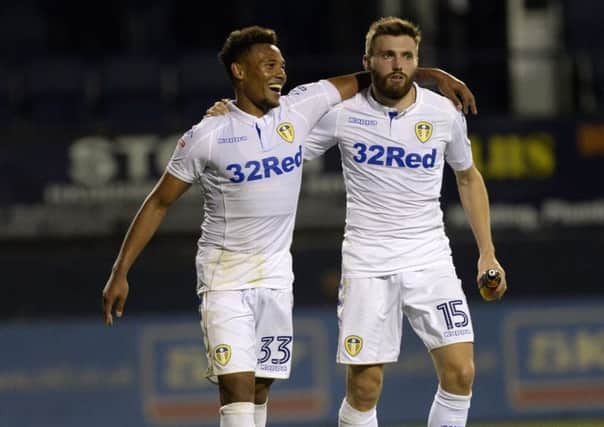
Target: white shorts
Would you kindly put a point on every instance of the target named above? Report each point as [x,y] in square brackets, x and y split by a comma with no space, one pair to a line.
[248,330]
[371,310]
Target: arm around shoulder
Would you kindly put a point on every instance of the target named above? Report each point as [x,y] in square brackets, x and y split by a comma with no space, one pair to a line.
[350,84]
[450,86]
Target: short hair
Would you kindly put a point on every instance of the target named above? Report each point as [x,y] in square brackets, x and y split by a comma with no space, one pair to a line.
[240,41]
[391,26]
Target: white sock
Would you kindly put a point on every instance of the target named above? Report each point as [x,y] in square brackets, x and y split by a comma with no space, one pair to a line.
[237,414]
[348,416]
[449,409]
[260,414]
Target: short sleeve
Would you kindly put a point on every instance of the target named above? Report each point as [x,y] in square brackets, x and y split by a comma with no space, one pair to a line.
[322,137]
[458,153]
[312,100]
[190,156]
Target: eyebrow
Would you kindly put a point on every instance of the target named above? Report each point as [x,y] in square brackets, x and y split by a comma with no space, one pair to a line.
[274,60]
[394,51]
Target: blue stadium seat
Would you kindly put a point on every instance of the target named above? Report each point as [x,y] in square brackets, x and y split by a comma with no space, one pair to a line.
[55,91]
[6,112]
[131,92]
[598,58]
[202,80]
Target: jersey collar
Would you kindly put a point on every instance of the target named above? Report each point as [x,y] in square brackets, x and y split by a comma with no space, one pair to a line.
[243,116]
[384,109]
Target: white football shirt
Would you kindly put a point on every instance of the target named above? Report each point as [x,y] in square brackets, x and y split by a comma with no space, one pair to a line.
[250,170]
[393,166]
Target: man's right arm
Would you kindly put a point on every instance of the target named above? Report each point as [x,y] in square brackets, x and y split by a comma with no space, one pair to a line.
[142,228]
[323,135]
[349,84]
[450,86]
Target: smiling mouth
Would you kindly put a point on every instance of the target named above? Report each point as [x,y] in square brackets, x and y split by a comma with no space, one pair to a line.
[275,88]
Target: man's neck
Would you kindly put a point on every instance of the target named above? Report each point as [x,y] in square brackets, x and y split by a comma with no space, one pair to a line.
[244,104]
[399,104]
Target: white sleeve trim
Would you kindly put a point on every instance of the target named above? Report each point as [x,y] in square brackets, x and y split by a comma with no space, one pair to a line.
[468,161]
[179,175]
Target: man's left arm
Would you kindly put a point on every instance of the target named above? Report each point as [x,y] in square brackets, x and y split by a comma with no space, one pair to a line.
[450,86]
[348,85]
[475,201]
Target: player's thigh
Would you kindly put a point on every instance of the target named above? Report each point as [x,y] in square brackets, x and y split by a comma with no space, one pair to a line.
[274,330]
[436,306]
[370,321]
[228,327]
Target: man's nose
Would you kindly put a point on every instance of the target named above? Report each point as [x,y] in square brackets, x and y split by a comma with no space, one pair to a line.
[397,63]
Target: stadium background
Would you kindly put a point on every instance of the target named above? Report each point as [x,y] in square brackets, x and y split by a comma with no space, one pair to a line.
[93,96]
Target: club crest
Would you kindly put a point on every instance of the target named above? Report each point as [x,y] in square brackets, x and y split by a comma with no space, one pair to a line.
[423,131]
[222,354]
[353,344]
[286,131]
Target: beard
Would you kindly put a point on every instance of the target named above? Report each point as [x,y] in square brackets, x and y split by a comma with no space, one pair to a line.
[390,90]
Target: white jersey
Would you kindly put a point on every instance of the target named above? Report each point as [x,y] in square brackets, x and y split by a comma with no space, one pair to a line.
[250,170]
[393,167]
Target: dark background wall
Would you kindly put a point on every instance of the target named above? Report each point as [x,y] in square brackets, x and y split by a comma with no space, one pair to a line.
[112,69]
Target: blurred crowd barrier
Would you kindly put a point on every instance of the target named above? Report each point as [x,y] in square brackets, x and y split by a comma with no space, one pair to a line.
[67,197]
[533,360]
[73,183]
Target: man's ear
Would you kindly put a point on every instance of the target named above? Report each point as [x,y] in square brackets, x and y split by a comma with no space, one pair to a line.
[237,71]
[365,62]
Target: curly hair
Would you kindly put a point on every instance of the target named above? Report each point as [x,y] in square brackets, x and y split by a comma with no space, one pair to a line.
[240,41]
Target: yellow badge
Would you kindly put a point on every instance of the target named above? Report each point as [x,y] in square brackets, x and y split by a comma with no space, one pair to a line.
[353,344]
[222,354]
[423,131]
[286,131]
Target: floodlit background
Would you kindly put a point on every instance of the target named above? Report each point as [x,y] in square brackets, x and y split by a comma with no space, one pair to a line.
[94,95]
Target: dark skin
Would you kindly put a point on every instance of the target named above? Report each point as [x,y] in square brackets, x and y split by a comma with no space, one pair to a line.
[258,77]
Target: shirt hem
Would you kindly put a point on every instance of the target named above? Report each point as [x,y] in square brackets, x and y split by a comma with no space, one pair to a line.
[363,274]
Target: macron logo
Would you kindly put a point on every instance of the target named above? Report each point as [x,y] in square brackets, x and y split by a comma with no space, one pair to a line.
[232,139]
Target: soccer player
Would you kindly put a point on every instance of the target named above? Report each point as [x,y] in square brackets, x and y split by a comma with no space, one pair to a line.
[249,164]
[394,139]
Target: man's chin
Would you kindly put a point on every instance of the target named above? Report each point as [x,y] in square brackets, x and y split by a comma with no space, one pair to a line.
[268,103]
[397,92]
[273,100]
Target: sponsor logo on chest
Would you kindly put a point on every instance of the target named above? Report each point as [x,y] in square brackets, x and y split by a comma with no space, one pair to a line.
[265,168]
[393,156]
